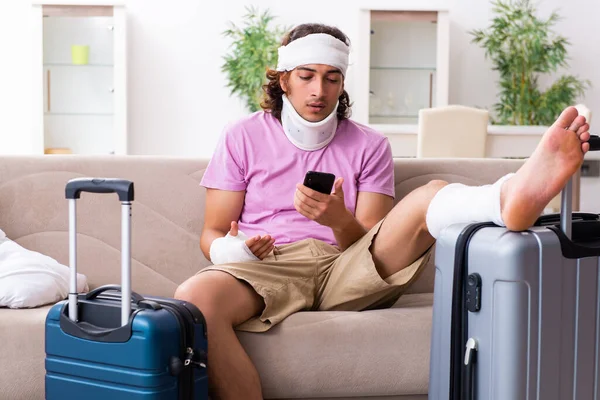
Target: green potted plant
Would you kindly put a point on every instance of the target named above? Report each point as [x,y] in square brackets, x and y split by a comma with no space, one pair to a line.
[253,50]
[523,46]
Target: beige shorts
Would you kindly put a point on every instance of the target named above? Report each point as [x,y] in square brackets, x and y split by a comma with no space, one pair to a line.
[314,275]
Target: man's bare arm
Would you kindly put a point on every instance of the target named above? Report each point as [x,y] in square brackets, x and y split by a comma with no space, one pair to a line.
[370,209]
[222,207]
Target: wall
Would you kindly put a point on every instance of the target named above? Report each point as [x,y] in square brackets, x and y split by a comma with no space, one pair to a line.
[473,83]
[471,79]
[178,104]
[176,84]
[15,78]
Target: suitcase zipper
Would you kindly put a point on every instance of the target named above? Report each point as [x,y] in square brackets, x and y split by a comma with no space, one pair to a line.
[188,356]
[470,360]
[459,325]
[186,391]
[192,358]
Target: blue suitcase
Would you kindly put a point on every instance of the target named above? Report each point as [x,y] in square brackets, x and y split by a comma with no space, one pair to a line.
[112,343]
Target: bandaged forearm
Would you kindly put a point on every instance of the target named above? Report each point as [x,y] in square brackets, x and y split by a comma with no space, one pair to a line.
[457,204]
[230,249]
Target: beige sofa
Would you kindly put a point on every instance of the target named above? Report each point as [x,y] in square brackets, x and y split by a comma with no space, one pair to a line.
[367,355]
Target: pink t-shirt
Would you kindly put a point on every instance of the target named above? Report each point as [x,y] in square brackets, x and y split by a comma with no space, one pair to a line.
[255,155]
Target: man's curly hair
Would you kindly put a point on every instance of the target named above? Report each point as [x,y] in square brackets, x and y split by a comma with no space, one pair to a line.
[272,101]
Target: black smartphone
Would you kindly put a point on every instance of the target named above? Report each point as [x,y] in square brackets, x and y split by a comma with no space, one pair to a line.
[320,181]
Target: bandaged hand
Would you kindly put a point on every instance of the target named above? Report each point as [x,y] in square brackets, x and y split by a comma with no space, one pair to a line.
[237,247]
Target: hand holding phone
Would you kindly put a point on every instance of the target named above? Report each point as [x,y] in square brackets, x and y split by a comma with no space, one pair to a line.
[321,182]
[327,206]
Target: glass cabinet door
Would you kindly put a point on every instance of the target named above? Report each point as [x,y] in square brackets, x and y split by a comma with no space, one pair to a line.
[78,79]
[402,75]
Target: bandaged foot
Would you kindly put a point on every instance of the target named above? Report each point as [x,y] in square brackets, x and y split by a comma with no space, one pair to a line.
[555,160]
[457,203]
[517,200]
[230,249]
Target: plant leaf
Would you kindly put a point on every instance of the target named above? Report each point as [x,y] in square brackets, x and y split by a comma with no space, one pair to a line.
[522,46]
[253,50]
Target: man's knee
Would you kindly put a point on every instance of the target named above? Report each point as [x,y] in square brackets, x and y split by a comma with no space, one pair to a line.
[198,291]
[429,191]
[220,297]
[434,186]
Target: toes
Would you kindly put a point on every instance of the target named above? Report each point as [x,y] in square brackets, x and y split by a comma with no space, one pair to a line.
[584,128]
[577,123]
[585,136]
[585,147]
[566,118]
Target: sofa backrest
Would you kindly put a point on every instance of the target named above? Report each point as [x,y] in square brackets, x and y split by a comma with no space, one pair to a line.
[167,211]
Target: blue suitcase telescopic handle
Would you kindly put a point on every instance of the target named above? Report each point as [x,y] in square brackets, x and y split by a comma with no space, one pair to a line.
[122,187]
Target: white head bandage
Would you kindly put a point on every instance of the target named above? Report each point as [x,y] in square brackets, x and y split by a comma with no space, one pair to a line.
[316,48]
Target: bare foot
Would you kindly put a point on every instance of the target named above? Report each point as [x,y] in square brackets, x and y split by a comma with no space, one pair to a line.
[556,158]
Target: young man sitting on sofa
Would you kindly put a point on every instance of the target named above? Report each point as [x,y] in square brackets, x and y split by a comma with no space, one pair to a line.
[279,247]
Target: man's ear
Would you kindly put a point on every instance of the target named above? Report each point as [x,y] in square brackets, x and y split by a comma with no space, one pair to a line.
[283,81]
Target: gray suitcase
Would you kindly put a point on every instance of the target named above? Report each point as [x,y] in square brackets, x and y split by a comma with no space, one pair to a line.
[516,315]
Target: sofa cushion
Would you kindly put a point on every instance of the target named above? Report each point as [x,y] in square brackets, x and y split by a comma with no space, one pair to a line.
[310,354]
[22,367]
[336,354]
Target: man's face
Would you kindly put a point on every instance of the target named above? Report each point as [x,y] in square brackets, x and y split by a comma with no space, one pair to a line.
[313,90]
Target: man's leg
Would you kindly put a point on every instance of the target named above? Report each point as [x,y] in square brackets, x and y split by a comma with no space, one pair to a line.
[404,235]
[225,302]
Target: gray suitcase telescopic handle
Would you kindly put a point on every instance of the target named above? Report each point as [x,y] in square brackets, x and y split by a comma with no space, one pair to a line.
[124,189]
[566,206]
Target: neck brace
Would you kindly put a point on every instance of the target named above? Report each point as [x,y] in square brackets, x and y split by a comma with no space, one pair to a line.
[305,135]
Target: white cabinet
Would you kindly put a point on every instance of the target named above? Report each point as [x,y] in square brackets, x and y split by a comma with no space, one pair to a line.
[78,90]
[401,63]
[82,107]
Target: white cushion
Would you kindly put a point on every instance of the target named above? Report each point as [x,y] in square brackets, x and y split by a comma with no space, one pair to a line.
[30,279]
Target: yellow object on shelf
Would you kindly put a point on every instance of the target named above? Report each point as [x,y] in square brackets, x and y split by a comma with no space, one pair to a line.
[80,54]
[58,150]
